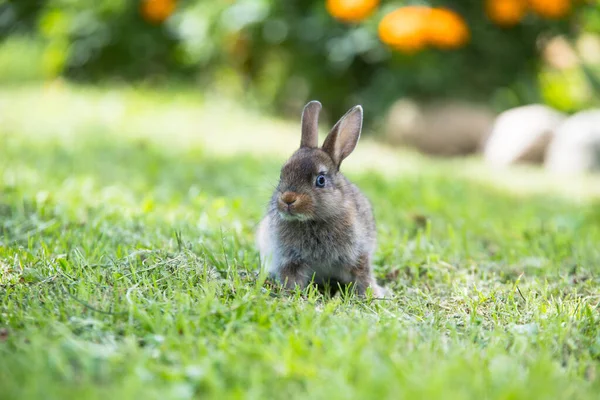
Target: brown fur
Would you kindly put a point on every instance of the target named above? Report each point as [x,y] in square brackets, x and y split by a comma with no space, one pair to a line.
[326,234]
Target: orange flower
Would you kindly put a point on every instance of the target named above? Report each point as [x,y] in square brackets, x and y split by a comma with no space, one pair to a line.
[351,10]
[404,29]
[157,11]
[446,29]
[506,12]
[553,9]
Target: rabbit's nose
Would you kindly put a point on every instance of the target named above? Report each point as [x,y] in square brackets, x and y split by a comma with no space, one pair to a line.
[289,198]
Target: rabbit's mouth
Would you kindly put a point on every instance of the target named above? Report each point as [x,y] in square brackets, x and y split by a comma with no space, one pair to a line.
[289,215]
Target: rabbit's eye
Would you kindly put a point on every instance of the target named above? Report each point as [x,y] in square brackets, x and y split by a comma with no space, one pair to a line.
[320,182]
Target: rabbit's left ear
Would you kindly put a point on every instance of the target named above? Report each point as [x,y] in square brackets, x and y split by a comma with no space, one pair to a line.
[310,125]
[344,135]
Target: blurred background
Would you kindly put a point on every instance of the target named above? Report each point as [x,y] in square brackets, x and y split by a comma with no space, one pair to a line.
[447,77]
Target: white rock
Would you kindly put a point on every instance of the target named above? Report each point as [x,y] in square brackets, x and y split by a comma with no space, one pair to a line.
[576,146]
[449,128]
[521,135]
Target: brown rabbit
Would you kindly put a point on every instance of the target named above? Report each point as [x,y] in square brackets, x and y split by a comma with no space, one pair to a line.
[319,226]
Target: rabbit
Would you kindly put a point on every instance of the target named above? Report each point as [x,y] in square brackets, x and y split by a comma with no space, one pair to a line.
[319,227]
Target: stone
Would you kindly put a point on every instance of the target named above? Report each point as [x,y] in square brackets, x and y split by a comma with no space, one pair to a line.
[575,148]
[521,135]
[450,128]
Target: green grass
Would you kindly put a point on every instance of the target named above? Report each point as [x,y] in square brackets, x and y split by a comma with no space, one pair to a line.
[127,266]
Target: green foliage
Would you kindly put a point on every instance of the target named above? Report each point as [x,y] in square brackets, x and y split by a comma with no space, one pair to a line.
[289,51]
[344,64]
[28,66]
[106,38]
[127,270]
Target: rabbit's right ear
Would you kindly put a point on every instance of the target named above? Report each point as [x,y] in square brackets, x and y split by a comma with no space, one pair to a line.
[344,135]
[310,125]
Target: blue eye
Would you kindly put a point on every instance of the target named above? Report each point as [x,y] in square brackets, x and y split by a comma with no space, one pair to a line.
[320,182]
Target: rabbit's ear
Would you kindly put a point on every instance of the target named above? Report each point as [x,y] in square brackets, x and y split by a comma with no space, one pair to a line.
[344,136]
[310,125]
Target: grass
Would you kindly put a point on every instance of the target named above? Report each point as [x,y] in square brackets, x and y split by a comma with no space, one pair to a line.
[127,266]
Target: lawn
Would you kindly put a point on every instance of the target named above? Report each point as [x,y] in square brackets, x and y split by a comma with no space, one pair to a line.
[128,268]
